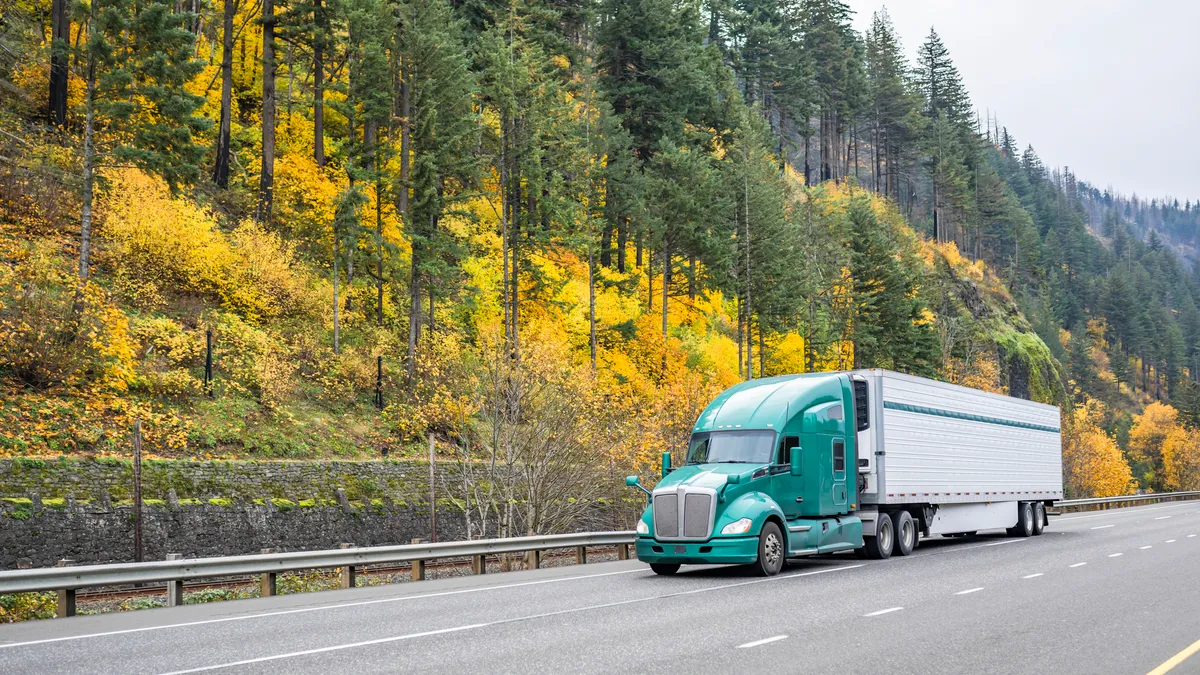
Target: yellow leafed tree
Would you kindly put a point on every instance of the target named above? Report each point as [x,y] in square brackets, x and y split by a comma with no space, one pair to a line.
[1092,462]
[1146,439]
[1181,459]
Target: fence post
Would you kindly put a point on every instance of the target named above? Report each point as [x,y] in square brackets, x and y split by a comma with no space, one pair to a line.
[174,586]
[349,575]
[66,596]
[267,581]
[137,491]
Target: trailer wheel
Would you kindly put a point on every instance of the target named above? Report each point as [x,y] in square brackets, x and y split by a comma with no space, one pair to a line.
[879,547]
[665,569]
[772,550]
[1039,518]
[1024,526]
[906,533]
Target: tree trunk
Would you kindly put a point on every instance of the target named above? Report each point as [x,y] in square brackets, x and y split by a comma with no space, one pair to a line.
[622,241]
[60,32]
[266,181]
[414,315]
[89,172]
[318,85]
[592,305]
[336,309]
[762,353]
[221,170]
[749,304]
[666,290]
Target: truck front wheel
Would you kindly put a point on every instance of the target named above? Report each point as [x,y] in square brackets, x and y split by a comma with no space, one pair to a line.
[879,547]
[664,569]
[772,549]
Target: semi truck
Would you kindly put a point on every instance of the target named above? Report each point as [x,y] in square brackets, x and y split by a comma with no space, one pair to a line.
[869,461]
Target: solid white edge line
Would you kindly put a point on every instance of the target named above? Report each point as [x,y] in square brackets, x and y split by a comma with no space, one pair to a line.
[1078,564]
[303,610]
[499,622]
[1125,511]
[1031,576]
[969,590]
[1101,527]
[762,642]
[884,611]
[955,549]
[321,650]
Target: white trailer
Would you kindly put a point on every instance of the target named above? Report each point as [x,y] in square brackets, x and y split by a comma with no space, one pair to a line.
[958,459]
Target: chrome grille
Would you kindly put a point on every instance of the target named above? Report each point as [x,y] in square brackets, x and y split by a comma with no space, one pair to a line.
[696,508]
[666,515]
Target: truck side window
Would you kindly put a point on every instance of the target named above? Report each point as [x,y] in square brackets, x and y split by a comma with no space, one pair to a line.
[862,421]
[785,449]
[839,456]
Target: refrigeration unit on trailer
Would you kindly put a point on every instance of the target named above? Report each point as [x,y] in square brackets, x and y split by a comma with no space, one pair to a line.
[868,460]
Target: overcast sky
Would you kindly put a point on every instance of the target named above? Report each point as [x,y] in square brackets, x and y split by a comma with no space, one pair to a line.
[1110,88]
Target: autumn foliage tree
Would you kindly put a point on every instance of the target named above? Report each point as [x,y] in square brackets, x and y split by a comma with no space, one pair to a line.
[1093,465]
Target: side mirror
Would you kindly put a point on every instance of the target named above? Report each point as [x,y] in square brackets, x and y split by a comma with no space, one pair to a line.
[797,459]
[666,464]
[632,481]
[733,479]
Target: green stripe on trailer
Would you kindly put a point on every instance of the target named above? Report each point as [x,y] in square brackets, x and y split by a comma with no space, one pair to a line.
[921,410]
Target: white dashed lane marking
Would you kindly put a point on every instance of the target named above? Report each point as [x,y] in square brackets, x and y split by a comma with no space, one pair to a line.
[762,641]
[1079,564]
[1101,527]
[885,611]
[1031,576]
[1162,517]
[1114,555]
[1143,548]
[969,590]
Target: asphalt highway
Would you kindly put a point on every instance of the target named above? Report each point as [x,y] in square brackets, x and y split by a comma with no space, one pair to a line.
[1103,592]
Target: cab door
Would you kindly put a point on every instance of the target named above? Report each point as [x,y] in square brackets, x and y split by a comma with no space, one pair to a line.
[786,489]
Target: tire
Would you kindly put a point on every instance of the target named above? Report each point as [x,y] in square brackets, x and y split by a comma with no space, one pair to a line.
[665,569]
[1024,526]
[772,550]
[906,533]
[1039,518]
[879,547]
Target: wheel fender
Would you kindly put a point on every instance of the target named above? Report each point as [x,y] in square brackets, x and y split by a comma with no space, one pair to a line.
[757,506]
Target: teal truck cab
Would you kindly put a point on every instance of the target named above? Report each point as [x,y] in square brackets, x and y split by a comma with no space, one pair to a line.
[769,474]
[869,460]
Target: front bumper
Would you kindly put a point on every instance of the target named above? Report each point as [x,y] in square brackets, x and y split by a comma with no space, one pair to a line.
[718,550]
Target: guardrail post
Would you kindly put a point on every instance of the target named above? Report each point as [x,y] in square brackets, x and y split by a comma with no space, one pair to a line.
[349,574]
[66,596]
[533,559]
[267,581]
[580,555]
[418,570]
[478,564]
[622,551]
[174,586]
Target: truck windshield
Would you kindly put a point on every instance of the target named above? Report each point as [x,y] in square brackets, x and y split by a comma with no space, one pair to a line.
[731,447]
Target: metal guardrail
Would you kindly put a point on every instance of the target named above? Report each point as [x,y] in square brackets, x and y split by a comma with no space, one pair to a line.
[65,580]
[1107,502]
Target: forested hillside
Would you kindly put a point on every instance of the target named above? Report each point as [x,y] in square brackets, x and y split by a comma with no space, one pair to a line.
[537,230]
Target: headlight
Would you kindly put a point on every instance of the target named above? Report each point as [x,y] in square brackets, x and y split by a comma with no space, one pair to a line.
[642,527]
[739,526]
